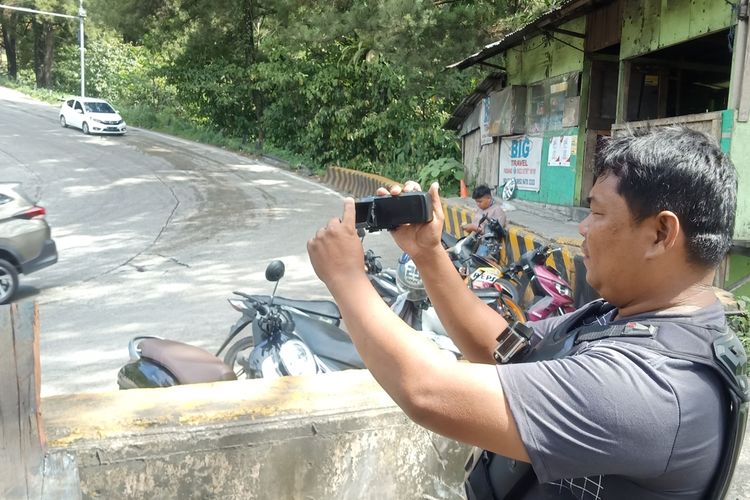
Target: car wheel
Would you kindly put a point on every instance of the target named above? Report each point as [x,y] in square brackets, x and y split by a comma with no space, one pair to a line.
[85,128]
[8,281]
[63,123]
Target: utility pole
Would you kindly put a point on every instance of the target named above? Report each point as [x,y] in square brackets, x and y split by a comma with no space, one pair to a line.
[81,16]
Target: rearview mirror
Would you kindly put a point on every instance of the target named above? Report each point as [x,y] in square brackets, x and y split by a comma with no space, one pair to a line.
[275,270]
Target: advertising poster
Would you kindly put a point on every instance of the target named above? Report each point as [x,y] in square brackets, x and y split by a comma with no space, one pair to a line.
[521,159]
[484,122]
[560,151]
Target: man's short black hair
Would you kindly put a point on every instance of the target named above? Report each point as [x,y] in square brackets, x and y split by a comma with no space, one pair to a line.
[680,170]
[481,191]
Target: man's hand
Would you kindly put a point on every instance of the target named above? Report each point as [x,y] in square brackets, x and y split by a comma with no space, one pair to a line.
[469,227]
[336,252]
[417,239]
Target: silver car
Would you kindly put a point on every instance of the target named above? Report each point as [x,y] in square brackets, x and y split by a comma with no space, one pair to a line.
[25,241]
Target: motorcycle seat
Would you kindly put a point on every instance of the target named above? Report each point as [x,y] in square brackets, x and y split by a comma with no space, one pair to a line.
[188,364]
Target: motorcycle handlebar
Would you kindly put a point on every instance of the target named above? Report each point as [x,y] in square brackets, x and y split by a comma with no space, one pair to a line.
[258,305]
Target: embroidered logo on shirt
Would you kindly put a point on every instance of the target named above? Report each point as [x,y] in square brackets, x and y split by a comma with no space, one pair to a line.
[635,329]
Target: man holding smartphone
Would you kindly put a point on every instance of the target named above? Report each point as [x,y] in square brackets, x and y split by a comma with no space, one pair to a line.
[640,396]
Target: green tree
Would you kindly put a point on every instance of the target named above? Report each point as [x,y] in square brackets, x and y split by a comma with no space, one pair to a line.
[359,84]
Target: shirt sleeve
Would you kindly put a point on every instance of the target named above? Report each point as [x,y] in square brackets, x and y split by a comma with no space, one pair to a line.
[496,212]
[477,216]
[603,411]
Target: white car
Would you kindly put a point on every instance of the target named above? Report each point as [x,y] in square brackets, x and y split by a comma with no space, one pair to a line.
[92,116]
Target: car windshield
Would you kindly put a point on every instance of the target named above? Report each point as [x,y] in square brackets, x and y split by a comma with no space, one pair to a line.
[98,107]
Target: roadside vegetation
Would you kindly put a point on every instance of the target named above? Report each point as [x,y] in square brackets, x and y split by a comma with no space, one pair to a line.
[739,321]
[356,84]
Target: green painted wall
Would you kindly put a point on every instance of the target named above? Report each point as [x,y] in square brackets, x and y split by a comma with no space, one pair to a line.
[739,267]
[531,62]
[542,57]
[650,25]
[557,184]
[740,154]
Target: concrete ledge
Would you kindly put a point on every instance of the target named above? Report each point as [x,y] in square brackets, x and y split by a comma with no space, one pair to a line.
[329,436]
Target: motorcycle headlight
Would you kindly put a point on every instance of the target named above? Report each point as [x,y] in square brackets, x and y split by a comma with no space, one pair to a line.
[563,290]
[262,362]
[268,367]
[297,359]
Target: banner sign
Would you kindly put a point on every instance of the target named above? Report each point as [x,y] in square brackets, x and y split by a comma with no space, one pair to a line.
[521,159]
[484,122]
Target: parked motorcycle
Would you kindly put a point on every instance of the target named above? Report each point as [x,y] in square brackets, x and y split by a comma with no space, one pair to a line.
[404,291]
[383,280]
[550,292]
[486,243]
[289,337]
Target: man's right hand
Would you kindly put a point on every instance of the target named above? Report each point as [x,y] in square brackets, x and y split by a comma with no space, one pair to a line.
[418,239]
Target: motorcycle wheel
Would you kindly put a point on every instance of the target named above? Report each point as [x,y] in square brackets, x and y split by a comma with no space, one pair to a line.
[230,358]
[510,287]
[511,311]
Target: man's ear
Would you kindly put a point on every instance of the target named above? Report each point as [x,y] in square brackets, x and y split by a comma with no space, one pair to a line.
[666,231]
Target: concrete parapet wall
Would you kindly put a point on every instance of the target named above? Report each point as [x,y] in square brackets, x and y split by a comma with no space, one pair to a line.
[355,183]
[329,436]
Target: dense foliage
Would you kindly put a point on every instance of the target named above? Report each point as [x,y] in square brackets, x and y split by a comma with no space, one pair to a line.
[358,84]
[739,321]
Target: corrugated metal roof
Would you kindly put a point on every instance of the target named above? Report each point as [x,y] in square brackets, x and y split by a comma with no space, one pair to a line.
[565,12]
[467,105]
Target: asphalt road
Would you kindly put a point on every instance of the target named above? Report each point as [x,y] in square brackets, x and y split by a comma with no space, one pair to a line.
[153,233]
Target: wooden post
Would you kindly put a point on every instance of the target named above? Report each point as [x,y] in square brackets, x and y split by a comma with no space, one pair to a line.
[21,433]
[23,465]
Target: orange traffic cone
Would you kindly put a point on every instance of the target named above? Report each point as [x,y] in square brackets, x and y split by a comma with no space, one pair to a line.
[464,193]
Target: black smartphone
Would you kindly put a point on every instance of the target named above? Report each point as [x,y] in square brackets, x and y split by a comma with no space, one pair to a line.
[387,212]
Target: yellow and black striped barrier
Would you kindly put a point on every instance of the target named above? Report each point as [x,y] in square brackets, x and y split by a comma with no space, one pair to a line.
[355,183]
[568,262]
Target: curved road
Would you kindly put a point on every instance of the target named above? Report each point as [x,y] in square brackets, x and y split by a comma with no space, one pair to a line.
[153,233]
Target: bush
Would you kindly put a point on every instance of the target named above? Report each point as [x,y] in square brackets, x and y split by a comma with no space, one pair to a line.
[447,171]
[739,321]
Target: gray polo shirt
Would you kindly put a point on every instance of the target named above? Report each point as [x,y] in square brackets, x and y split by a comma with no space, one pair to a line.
[614,420]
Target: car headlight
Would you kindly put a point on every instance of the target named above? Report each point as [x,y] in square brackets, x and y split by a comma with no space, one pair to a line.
[563,290]
[297,359]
